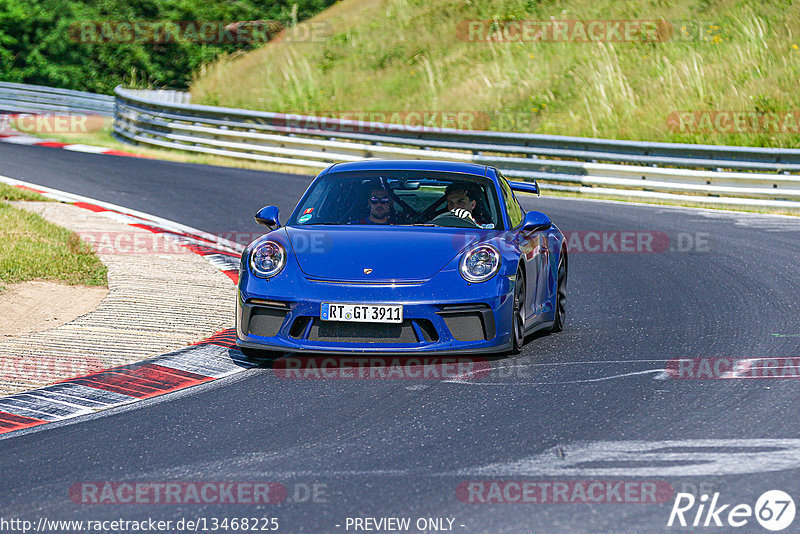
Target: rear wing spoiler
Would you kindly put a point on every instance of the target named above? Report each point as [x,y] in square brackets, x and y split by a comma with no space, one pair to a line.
[526,187]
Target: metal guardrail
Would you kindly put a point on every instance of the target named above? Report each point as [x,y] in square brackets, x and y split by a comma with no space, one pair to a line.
[316,142]
[23,98]
[167,96]
[699,173]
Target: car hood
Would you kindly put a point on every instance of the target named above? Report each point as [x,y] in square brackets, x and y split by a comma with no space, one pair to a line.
[392,253]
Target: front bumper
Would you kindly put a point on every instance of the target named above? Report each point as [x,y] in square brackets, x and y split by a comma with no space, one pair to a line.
[443,314]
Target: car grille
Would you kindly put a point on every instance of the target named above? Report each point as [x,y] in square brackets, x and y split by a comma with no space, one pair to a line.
[341,332]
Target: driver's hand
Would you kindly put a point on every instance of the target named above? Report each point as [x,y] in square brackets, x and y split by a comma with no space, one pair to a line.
[463,214]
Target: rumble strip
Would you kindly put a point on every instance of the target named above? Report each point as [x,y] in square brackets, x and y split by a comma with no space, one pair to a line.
[210,359]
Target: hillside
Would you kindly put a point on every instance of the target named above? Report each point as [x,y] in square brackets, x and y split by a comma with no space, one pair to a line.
[694,79]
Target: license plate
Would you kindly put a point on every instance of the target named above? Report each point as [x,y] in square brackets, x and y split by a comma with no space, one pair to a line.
[362,313]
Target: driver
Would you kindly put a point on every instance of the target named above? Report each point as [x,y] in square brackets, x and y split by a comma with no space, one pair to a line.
[380,207]
[461,200]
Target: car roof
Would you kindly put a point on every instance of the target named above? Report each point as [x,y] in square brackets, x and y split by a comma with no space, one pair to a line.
[411,165]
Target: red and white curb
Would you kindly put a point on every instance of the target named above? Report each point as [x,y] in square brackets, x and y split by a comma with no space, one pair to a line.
[17,138]
[210,359]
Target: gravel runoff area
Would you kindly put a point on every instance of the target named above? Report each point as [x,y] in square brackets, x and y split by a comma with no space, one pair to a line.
[161,297]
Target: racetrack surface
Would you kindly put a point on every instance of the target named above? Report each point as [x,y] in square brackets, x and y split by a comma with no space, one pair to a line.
[561,411]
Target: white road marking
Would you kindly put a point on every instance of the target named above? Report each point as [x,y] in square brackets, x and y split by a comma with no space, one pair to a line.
[768,223]
[86,148]
[589,362]
[688,458]
[699,457]
[26,140]
[581,381]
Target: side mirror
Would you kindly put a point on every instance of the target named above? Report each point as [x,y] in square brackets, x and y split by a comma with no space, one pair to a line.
[535,221]
[268,216]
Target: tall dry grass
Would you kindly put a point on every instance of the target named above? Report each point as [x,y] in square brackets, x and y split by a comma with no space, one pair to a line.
[386,55]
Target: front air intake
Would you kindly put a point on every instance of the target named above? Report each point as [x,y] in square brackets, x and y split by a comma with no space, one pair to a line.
[469,322]
[341,332]
[265,322]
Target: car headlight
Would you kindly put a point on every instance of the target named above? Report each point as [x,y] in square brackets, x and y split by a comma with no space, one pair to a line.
[480,263]
[267,259]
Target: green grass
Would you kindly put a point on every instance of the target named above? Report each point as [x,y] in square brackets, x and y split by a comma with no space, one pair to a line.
[9,193]
[32,248]
[388,55]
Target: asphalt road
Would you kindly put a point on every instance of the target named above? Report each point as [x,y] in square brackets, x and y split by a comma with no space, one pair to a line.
[589,404]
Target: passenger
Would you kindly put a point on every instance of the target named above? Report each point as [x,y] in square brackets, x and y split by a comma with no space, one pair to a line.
[380,207]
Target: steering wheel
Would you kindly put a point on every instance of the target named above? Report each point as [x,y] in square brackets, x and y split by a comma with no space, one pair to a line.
[451,219]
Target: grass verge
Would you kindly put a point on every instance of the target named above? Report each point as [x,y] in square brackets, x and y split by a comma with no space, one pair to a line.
[32,248]
[416,55]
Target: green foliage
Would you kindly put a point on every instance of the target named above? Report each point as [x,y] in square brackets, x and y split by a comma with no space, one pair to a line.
[39,44]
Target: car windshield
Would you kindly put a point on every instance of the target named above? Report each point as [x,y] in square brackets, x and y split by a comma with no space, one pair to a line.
[402,198]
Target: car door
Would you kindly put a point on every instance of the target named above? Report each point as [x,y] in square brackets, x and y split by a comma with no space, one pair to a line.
[530,244]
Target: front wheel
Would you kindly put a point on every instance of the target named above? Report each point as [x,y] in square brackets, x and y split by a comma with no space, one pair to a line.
[561,296]
[518,315]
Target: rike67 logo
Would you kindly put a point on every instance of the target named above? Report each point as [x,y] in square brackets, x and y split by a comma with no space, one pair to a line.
[774,510]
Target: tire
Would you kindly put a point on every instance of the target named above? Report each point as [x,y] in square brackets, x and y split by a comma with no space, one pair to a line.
[518,312]
[561,296]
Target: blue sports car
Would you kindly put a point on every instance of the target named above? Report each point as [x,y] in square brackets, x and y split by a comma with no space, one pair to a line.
[402,257]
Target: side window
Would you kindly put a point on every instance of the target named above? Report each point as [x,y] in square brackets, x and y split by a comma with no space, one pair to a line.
[515,213]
